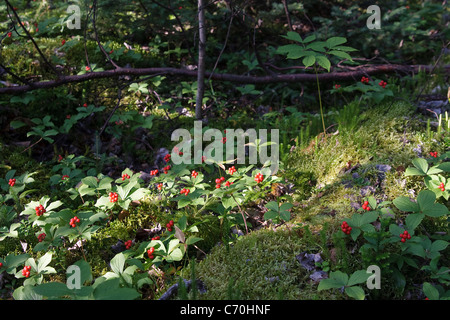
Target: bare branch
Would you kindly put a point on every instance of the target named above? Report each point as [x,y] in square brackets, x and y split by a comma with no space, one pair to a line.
[279,78]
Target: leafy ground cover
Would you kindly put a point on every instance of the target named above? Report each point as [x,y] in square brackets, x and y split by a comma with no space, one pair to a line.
[95,204]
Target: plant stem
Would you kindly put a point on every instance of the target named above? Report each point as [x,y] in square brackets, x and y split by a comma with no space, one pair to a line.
[320,101]
[242,213]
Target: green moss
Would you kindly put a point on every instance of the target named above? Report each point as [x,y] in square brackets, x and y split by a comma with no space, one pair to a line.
[261,265]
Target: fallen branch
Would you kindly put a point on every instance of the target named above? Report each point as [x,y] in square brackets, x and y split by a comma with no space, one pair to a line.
[243,79]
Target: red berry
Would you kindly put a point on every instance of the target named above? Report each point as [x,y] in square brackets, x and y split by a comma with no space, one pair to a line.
[113,197]
[12,182]
[259,177]
[9,34]
[88,68]
[63,41]
[171,222]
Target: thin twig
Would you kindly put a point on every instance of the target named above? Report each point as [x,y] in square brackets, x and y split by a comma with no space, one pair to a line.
[94,7]
[31,38]
[223,47]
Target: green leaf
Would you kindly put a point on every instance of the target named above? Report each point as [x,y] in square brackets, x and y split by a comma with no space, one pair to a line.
[309,60]
[192,240]
[16,124]
[345,48]
[317,46]
[118,263]
[335,41]
[439,245]
[324,62]
[85,270]
[286,206]
[369,217]
[410,171]
[355,293]
[413,220]
[53,290]
[437,210]
[421,164]
[309,38]
[110,290]
[270,215]
[182,222]
[293,51]
[357,277]
[285,215]
[426,199]
[430,291]
[404,204]
[291,35]
[445,166]
[272,205]
[44,261]
[337,279]
[341,54]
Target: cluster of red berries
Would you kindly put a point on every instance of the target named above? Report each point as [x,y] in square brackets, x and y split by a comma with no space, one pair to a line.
[365,206]
[85,105]
[259,177]
[232,170]
[60,158]
[26,271]
[128,244]
[194,174]
[433,154]
[442,186]
[219,181]
[224,140]
[383,84]
[160,185]
[88,68]
[185,191]
[337,86]
[9,34]
[167,157]
[156,238]
[125,176]
[166,169]
[73,222]
[405,235]
[150,252]
[365,80]
[169,225]
[41,237]
[40,210]
[113,197]
[12,182]
[154,172]
[64,177]
[346,228]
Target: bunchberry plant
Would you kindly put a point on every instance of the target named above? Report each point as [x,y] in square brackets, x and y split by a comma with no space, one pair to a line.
[316,53]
